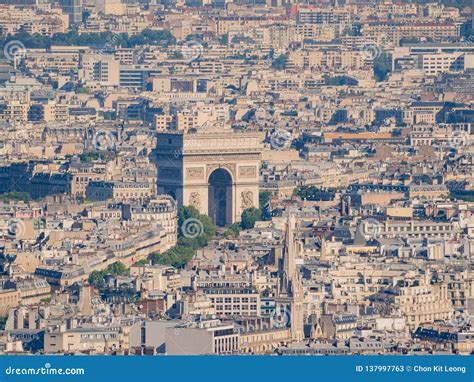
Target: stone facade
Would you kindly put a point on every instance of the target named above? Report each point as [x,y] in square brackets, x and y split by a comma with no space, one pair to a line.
[187,161]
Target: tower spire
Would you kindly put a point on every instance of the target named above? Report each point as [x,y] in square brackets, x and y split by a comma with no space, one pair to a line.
[290,295]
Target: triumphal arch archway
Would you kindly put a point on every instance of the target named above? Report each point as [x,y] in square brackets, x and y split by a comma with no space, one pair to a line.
[216,171]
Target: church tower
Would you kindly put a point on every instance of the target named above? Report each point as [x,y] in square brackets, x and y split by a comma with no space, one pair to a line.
[289,288]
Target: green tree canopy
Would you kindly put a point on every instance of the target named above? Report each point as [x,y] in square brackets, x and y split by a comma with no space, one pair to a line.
[16,196]
[263,198]
[3,322]
[194,231]
[279,63]
[101,39]
[96,278]
[340,81]
[233,230]
[313,193]
[250,216]
[117,269]
[382,66]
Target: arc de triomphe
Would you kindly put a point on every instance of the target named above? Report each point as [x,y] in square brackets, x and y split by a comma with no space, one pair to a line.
[216,171]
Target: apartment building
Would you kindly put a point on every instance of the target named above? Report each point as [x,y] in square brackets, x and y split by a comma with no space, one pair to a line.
[139,241]
[100,68]
[424,302]
[42,59]
[323,16]
[435,64]
[13,111]
[395,30]
[81,174]
[230,296]
[50,111]
[419,229]
[9,298]
[460,284]
[102,190]
[419,300]
[136,76]
[355,285]
[59,277]
[162,209]
[92,340]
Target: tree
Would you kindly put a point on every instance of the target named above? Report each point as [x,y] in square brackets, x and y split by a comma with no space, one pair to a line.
[3,322]
[142,262]
[82,90]
[313,193]
[263,198]
[279,63]
[405,40]
[382,66]
[85,15]
[194,231]
[348,31]
[117,269]
[96,279]
[30,41]
[340,81]
[107,38]
[239,39]
[250,216]
[16,196]
[188,213]
[177,56]
[152,37]
[233,230]
[462,195]
[224,39]
[195,37]
[89,156]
